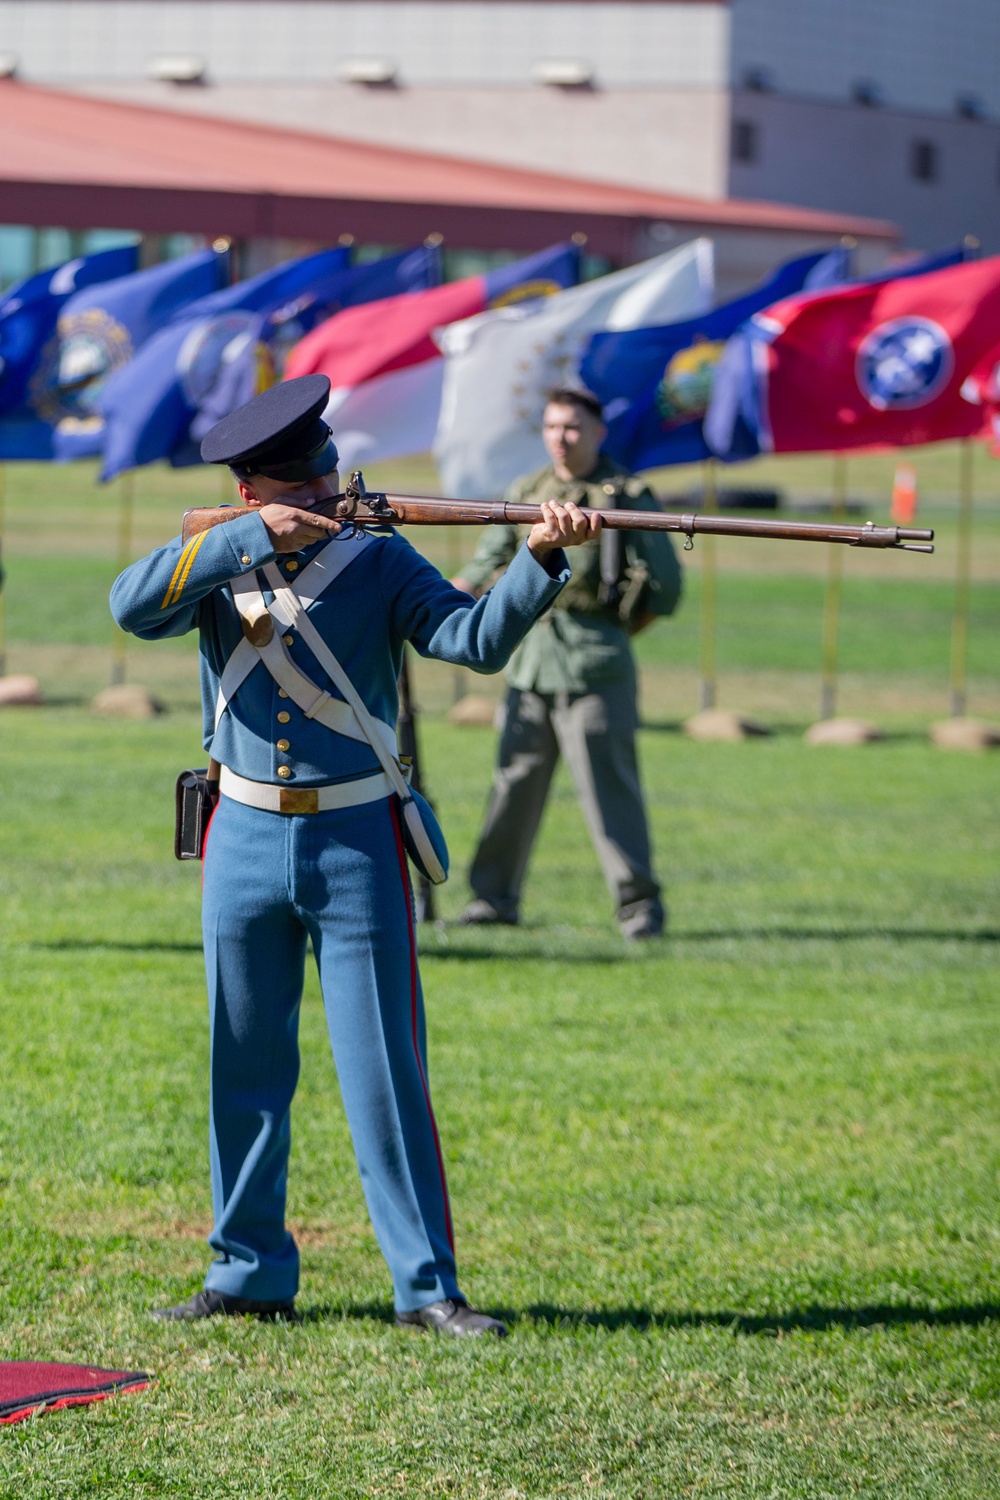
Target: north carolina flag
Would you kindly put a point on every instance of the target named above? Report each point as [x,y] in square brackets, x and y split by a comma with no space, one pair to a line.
[386,370]
[875,364]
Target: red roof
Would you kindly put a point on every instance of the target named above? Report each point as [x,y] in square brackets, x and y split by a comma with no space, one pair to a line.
[57,141]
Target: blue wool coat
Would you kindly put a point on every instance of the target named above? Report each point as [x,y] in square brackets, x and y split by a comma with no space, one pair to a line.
[387,595]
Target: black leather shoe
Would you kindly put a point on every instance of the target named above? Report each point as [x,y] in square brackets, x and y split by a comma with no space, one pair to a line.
[454,1318]
[210,1304]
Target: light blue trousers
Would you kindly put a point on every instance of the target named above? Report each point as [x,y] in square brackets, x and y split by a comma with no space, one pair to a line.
[339,878]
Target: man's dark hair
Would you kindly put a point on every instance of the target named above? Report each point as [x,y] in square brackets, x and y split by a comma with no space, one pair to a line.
[567,395]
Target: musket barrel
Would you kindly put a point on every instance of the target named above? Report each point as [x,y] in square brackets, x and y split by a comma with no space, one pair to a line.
[359,508]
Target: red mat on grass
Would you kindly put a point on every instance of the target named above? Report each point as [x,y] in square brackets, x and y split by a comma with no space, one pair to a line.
[27,1386]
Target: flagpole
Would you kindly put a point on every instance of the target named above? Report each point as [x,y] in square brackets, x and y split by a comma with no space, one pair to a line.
[3,536]
[831,604]
[963,572]
[125,514]
[707,614]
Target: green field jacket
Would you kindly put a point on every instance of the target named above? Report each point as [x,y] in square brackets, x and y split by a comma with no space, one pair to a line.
[581,644]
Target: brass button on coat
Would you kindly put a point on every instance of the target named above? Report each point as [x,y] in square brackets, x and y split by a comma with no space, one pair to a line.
[284,772]
[292,567]
[246,559]
[287,639]
[283,717]
[283,745]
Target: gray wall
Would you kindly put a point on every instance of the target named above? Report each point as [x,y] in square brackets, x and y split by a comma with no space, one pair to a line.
[921,53]
[858,160]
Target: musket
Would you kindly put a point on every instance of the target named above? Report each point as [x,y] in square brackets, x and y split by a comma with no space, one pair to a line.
[359,508]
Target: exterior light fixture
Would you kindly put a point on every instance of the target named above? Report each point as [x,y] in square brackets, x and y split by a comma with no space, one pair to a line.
[177,67]
[373,72]
[563,73]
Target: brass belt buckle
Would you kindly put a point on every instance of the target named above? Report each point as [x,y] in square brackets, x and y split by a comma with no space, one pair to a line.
[303,799]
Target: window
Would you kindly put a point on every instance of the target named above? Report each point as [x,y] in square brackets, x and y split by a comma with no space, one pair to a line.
[924,161]
[745,143]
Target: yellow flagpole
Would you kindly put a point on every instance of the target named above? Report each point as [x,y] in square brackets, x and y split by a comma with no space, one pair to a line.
[963,574]
[831,603]
[3,532]
[125,517]
[707,613]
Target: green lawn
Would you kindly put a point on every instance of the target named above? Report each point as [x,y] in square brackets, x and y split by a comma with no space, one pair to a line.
[736,1193]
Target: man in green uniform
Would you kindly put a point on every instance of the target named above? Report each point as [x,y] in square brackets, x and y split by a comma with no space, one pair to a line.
[573,680]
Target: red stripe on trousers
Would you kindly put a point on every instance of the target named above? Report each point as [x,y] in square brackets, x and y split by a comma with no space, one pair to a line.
[405,876]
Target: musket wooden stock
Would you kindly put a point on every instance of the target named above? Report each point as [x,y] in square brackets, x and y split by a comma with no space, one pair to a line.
[356,507]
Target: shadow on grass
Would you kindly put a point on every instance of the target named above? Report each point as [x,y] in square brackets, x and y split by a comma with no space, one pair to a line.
[643,1319]
[594,950]
[152,945]
[843,934]
[808,1319]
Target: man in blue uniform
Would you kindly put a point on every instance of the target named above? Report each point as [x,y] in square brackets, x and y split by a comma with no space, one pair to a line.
[301,629]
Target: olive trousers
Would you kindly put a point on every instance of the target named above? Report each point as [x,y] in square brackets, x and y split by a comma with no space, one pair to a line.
[596,733]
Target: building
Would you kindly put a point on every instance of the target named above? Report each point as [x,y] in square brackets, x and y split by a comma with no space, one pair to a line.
[888,108]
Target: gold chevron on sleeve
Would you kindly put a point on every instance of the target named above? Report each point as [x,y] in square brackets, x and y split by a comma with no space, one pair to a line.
[182,570]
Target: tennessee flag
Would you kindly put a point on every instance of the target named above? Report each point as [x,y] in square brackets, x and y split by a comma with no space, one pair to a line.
[880,363]
[982,388]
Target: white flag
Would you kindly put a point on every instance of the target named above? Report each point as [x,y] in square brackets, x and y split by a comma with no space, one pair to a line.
[499,364]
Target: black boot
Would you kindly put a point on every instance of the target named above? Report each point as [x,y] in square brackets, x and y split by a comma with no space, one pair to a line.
[454,1318]
[211,1304]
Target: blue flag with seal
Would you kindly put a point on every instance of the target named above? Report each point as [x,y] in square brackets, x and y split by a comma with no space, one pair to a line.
[102,328]
[29,313]
[656,383]
[735,420]
[225,349]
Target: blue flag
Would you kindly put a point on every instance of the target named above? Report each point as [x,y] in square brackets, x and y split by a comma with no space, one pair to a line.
[219,353]
[551,270]
[28,345]
[656,383]
[102,328]
[735,418]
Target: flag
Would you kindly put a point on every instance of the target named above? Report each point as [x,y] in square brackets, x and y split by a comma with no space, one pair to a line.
[981,387]
[737,423]
[102,328]
[499,366]
[28,347]
[228,347]
[385,368]
[655,383]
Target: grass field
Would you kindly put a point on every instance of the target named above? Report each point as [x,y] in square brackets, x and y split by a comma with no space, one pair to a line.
[736,1193]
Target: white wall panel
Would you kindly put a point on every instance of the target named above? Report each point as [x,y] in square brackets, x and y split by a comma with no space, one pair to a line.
[433,41]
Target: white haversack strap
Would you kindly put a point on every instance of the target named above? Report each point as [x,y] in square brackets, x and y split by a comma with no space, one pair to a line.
[339,677]
[316,577]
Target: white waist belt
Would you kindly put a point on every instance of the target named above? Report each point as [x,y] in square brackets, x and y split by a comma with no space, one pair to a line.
[269,797]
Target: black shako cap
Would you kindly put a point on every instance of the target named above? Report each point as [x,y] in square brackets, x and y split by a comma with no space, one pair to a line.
[280,433]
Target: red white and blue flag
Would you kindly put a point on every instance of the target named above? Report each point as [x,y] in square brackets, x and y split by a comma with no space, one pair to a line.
[386,370]
[877,364]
